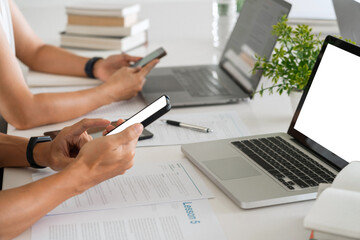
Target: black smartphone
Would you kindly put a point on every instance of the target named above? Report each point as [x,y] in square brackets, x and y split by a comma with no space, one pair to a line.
[146,134]
[147,115]
[158,53]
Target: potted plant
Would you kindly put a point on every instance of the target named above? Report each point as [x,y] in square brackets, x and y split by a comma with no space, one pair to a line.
[293,58]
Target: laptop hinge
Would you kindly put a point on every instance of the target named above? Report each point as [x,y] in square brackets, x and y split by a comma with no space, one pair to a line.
[321,158]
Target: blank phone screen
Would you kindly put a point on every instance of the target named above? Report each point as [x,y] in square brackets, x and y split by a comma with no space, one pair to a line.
[142,115]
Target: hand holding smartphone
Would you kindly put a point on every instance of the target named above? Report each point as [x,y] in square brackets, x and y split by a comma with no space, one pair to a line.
[98,132]
[147,115]
[158,53]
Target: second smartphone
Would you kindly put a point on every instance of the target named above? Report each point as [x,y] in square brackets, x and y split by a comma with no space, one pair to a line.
[158,53]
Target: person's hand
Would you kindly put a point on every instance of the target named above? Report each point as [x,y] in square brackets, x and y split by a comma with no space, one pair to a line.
[105,157]
[127,82]
[58,153]
[104,68]
[111,127]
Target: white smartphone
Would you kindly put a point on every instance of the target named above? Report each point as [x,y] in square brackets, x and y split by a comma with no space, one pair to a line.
[147,115]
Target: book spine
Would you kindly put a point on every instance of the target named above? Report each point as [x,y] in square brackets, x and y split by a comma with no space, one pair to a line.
[312,235]
[102,21]
[108,31]
[103,43]
[104,12]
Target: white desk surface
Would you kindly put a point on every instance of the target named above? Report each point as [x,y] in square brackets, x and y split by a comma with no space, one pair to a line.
[261,115]
[184,30]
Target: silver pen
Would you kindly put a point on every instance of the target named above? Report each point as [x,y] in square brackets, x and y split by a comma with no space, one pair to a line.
[188,126]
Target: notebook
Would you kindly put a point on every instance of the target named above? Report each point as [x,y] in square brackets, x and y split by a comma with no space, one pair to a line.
[231,79]
[348,18]
[322,138]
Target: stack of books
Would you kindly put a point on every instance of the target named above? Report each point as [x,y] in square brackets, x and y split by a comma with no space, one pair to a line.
[104,26]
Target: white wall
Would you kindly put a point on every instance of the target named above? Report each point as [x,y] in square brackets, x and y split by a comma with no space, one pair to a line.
[317,9]
[48,18]
[50,14]
[301,8]
[64,2]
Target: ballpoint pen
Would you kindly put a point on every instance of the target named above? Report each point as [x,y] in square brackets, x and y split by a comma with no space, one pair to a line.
[189,126]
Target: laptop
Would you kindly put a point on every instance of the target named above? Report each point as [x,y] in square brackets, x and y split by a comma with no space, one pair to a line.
[231,79]
[323,137]
[348,18]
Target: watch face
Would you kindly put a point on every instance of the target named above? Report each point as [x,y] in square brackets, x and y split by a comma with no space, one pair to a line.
[43,139]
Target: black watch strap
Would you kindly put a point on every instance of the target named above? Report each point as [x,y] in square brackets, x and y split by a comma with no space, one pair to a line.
[30,148]
[89,66]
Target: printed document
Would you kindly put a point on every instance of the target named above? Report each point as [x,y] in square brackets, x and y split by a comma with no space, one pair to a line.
[224,125]
[190,220]
[165,181]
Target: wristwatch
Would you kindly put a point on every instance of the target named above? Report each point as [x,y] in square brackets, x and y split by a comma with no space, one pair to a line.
[30,148]
[89,66]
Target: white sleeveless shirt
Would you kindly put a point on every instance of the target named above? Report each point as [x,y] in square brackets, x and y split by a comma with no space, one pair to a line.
[6,23]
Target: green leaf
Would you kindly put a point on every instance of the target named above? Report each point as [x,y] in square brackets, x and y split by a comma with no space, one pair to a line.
[293,57]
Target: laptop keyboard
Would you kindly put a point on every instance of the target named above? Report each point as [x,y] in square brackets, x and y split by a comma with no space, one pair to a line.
[200,82]
[287,164]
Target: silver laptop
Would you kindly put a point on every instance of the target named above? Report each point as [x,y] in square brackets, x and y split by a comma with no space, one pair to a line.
[348,18]
[232,78]
[322,138]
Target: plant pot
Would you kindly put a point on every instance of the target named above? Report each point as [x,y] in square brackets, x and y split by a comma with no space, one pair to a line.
[295,96]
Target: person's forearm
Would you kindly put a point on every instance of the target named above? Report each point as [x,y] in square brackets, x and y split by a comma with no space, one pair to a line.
[48,108]
[55,60]
[21,207]
[24,110]
[39,56]
[13,151]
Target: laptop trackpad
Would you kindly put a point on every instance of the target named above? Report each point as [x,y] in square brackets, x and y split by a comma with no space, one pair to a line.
[231,168]
[163,83]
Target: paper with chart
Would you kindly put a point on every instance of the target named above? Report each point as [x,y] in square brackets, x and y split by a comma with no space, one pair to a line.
[224,124]
[143,184]
[190,220]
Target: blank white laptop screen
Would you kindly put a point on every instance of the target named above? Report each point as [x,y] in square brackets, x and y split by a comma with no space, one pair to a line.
[330,114]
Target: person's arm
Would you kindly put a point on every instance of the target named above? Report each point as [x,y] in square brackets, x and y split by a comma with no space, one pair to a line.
[23,110]
[42,57]
[51,154]
[98,160]
[39,56]
[21,207]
